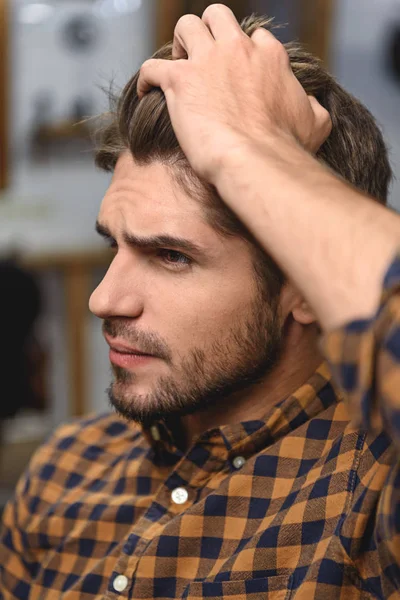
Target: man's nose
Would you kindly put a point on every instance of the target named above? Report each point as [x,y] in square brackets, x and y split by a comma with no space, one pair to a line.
[117,294]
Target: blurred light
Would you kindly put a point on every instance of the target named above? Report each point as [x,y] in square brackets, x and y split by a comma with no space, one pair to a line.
[33,14]
[114,8]
[125,6]
[121,5]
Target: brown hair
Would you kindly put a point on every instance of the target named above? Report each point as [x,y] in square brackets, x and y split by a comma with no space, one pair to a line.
[355,149]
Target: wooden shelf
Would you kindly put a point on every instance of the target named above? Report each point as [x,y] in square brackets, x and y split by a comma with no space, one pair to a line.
[66,260]
[316,27]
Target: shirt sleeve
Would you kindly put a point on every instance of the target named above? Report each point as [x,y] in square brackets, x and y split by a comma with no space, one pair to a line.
[365,360]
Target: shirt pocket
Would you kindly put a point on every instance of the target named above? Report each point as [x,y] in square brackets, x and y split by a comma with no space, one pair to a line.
[268,588]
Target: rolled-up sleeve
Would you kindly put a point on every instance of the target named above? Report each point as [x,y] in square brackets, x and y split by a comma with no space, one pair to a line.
[365,360]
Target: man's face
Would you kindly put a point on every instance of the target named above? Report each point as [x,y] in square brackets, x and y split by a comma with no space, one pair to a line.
[191,303]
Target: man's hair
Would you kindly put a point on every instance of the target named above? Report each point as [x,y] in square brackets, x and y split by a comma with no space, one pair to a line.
[355,149]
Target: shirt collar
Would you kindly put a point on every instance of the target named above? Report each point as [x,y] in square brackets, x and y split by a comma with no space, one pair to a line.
[249,437]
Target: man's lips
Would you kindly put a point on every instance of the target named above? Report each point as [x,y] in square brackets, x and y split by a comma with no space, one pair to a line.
[129,360]
[126,357]
[122,348]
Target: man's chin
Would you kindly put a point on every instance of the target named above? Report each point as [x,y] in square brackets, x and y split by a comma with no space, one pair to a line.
[130,411]
[143,409]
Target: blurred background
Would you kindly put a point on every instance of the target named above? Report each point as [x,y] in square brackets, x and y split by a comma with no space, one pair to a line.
[56,56]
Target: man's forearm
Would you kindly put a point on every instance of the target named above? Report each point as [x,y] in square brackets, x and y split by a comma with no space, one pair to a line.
[332,241]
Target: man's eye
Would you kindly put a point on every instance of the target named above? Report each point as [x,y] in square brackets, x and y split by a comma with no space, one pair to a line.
[175,258]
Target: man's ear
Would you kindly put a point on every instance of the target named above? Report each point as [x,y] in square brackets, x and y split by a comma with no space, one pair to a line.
[292,302]
[303,314]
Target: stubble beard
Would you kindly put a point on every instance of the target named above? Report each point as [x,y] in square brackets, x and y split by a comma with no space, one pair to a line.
[206,378]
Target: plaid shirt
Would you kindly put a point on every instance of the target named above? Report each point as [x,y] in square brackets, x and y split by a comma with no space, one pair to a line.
[302,504]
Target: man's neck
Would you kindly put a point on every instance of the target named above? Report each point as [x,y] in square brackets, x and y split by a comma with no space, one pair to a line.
[299,360]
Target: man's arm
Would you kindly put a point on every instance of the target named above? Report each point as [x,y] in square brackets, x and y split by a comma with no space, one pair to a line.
[247,126]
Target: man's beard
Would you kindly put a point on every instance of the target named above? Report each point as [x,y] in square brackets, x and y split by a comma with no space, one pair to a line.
[206,378]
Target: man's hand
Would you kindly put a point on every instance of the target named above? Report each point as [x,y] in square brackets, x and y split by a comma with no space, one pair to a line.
[227,92]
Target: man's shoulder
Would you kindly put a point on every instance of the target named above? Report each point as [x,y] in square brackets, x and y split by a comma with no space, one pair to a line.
[104,426]
[78,455]
[88,437]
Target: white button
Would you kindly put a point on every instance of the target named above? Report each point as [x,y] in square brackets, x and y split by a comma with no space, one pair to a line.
[238,462]
[179,496]
[120,583]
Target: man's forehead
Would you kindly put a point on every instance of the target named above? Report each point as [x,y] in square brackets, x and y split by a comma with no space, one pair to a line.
[145,207]
[151,174]
[146,196]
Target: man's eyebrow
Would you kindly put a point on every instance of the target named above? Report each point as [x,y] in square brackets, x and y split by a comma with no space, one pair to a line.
[153,242]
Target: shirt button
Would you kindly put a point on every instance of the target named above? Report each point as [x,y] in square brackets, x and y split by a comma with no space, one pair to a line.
[179,495]
[120,583]
[238,462]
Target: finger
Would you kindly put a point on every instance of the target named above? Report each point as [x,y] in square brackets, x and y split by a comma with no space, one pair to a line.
[191,37]
[153,73]
[265,40]
[262,36]
[323,122]
[221,21]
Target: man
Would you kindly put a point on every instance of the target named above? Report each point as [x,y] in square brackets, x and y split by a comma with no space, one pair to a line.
[248,479]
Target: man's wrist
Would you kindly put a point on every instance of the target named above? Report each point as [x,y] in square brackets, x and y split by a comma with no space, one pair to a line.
[245,157]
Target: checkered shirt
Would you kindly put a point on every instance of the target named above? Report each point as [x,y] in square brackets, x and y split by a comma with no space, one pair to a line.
[301,504]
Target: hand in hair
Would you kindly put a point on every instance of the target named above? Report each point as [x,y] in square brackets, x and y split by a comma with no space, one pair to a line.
[227,91]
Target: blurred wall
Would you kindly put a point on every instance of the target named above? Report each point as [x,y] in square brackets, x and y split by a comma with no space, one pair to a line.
[54,204]
[361,60]
[51,206]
